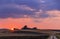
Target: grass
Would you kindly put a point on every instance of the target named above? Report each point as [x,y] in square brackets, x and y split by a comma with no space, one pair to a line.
[23,37]
[58,36]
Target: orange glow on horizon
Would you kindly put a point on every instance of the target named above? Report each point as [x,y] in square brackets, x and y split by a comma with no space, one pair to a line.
[48,23]
[12,28]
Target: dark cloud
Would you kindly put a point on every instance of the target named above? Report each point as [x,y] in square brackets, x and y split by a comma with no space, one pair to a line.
[58,4]
[30,3]
[14,12]
[9,8]
[37,21]
[44,15]
[50,5]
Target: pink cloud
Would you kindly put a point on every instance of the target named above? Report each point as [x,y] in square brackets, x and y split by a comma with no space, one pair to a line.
[55,13]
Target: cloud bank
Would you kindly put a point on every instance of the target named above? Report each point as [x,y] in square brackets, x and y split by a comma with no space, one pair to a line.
[27,8]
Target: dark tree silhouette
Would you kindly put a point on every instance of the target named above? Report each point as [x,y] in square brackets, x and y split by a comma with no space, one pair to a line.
[25,27]
[34,28]
[16,29]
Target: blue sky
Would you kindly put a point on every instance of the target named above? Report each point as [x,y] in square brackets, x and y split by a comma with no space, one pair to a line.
[17,8]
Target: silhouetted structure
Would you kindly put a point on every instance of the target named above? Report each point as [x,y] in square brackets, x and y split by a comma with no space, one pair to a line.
[34,28]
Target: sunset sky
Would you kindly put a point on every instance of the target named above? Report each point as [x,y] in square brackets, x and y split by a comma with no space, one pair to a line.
[43,14]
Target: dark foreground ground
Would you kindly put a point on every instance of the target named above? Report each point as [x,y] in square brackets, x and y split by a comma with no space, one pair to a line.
[24,37]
